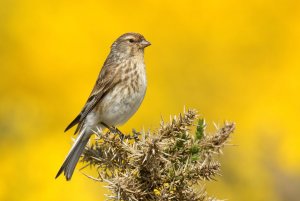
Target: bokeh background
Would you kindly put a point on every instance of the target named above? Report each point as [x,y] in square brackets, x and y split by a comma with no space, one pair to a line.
[231,60]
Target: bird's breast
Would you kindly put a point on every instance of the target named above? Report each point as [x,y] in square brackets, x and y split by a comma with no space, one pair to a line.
[124,100]
[135,86]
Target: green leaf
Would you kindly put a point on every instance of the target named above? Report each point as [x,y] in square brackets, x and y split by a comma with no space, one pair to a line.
[200,129]
[195,157]
[194,149]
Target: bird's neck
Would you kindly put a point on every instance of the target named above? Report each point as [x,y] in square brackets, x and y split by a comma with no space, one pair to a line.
[121,56]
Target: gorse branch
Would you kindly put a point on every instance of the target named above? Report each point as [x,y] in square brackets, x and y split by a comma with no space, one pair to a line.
[161,165]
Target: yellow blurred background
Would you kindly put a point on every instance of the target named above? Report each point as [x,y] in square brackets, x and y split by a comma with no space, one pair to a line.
[232,60]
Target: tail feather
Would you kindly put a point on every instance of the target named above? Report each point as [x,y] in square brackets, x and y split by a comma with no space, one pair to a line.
[70,162]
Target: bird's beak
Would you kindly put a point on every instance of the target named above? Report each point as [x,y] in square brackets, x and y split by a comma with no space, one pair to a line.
[145,43]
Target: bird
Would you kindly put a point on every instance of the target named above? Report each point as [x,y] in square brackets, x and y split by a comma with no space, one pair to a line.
[117,94]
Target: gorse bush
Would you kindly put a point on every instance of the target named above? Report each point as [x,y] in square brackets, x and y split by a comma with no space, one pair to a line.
[162,165]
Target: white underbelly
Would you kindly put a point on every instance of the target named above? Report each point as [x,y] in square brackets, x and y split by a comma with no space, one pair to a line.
[121,106]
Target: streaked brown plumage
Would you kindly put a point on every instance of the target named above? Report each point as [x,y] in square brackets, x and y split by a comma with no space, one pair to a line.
[117,94]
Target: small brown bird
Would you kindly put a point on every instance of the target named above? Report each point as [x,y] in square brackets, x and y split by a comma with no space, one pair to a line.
[117,94]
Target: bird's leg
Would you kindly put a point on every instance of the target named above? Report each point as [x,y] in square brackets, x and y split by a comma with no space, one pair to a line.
[105,125]
[122,136]
[114,130]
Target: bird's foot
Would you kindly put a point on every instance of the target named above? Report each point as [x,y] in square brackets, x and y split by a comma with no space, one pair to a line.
[136,135]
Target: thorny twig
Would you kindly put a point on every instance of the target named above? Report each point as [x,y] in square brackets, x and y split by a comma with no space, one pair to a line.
[163,165]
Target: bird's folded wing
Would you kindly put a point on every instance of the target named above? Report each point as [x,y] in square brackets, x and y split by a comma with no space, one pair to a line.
[102,87]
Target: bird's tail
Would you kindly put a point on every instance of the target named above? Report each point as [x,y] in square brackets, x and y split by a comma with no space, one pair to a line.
[73,156]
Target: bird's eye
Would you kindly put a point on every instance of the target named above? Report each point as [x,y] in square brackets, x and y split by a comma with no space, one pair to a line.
[131,40]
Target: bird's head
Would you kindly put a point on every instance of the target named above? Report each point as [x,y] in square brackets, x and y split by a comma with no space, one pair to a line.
[130,44]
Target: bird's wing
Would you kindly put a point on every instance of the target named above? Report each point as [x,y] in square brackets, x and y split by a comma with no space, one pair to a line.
[106,81]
